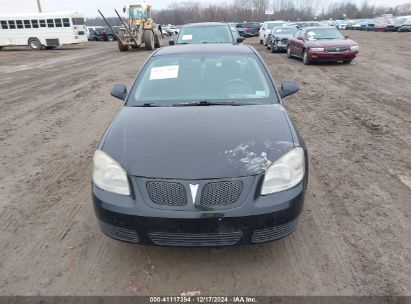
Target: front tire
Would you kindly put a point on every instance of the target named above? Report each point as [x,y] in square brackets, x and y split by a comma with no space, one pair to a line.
[273,49]
[261,42]
[122,47]
[347,61]
[148,40]
[35,44]
[288,52]
[158,40]
[306,58]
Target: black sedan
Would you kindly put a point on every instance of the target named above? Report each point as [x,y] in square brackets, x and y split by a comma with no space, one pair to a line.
[279,38]
[203,152]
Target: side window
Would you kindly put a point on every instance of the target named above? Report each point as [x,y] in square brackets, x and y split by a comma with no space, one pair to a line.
[19,24]
[58,22]
[42,23]
[35,23]
[12,24]
[66,22]
[4,25]
[50,22]
[27,24]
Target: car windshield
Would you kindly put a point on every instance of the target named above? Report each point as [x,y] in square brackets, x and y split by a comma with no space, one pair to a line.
[205,34]
[284,30]
[323,33]
[168,80]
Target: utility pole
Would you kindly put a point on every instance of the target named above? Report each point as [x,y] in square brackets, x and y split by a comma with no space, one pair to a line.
[39,5]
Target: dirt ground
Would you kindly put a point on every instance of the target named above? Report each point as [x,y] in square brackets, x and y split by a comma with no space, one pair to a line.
[355,234]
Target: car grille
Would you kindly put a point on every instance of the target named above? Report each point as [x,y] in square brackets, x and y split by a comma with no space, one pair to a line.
[189,239]
[337,49]
[284,41]
[274,233]
[221,193]
[123,234]
[167,193]
[81,32]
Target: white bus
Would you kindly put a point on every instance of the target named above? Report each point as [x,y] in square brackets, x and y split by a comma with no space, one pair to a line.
[43,30]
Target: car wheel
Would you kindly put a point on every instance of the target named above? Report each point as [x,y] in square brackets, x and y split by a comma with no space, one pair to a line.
[158,40]
[148,38]
[35,44]
[288,52]
[347,61]
[110,38]
[261,42]
[306,58]
[273,48]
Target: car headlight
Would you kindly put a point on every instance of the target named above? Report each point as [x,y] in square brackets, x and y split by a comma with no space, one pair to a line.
[317,49]
[355,48]
[285,172]
[109,175]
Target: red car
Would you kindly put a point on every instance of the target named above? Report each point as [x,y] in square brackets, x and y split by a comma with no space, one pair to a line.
[321,44]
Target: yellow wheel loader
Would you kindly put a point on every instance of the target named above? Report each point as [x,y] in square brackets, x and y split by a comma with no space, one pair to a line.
[138,29]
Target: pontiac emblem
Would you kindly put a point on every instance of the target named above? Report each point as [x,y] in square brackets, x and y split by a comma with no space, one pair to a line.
[193,189]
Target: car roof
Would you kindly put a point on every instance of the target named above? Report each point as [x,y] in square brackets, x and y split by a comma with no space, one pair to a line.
[216,48]
[205,24]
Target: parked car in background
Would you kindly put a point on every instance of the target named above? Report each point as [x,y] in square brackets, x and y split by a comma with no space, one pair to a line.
[321,44]
[206,32]
[265,30]
[380,26]
[91,34]
[106,34]
[226,166]
[236,34]
[250,29]
[278,39]
[397,23]
[406,26]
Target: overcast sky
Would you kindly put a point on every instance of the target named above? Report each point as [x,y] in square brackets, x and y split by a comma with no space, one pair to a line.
[89,7]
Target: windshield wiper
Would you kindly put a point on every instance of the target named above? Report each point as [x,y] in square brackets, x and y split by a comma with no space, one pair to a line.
[209,103]
[148,105]
[205,103]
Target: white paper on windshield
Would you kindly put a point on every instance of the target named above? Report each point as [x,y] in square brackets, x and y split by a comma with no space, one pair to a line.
[187,37]
[164,72]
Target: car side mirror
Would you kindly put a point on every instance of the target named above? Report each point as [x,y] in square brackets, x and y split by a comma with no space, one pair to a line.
[119,91]
[240,39]
[288,88]
[171,42]
[300,38]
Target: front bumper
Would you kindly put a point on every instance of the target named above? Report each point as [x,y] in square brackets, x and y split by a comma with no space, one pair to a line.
[333,56]
[279,46]
[258,219]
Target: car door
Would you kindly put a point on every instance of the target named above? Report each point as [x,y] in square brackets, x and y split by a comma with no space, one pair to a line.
[299,44]
[293,43]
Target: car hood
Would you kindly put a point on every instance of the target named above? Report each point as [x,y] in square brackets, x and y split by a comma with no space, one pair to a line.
[200,142]
[283,36]
[331,43]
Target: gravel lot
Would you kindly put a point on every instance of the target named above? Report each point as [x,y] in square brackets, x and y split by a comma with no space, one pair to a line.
[354,236]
